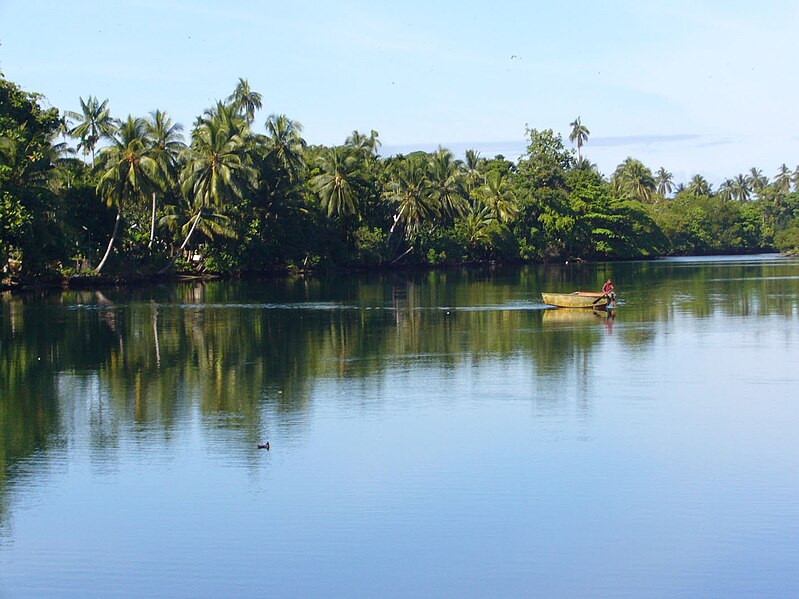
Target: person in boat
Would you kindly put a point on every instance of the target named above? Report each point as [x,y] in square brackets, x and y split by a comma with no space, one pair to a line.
[607,289]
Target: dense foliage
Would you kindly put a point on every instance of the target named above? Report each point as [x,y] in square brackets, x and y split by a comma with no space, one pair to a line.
[236,200]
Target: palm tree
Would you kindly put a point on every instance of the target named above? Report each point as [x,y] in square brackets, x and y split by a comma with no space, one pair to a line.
[409,188]
[580,134]
[215,172]
[208,220]
[369,144]
[634,180]
[699,186]
[782,181]
[245,100]
[664,181]
[94,123]
[333,185]
[285,143]
[499,197]
[166,140]
[476,224]
[757,180]
[726,189]
[357,140]
[472,167]
[374,143]
[741,190]
[225,117]
[446,183]
[130,171]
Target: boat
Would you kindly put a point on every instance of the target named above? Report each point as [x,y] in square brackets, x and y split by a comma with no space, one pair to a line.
[577,299]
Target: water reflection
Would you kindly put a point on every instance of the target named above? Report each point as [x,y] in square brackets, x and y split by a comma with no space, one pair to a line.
[234,346]
[220,367]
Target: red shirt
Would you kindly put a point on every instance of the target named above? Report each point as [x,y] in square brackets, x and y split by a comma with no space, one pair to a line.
[607,288]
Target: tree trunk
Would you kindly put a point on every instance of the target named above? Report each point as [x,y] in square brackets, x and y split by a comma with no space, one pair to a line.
[110,242]
[183,245]
[152,225]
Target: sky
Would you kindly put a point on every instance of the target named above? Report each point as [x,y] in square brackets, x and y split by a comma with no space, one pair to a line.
[696,87]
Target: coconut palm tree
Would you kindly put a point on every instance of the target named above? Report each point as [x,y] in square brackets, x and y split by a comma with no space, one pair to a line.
[499,198]
[334,185]
[782,181]
[130,171]
[475,224]
[409,189]
[634,180]
[166,140]
[447,185]
[285,143]
[741,189]
[579,133]
[245,100]
[725,191]
[357,140]
[207,220]
[94,122]
[473,160]
[757,180]
[664,181]
[215,174]
[215,171]
[699,186]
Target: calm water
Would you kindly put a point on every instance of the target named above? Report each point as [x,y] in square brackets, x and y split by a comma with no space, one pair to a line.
[435,434]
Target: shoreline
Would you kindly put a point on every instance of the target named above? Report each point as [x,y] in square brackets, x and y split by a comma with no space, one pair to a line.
[103,281]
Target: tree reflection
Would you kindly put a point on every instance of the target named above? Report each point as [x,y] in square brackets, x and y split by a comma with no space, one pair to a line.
[247,355]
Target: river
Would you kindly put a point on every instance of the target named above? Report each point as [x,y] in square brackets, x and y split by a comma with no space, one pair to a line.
[435,434]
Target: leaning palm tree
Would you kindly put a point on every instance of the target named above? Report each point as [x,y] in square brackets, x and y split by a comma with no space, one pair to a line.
[334,184]
[215,169]
[664,181]
[209,221]
[94,122]
[215,174]
[245,100]
[130,171]
[166,140]
[499,197]
[579,133]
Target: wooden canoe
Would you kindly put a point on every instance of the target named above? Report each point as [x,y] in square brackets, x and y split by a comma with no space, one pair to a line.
[578,299]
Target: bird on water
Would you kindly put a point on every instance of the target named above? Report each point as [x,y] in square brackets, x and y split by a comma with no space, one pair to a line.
[264,446]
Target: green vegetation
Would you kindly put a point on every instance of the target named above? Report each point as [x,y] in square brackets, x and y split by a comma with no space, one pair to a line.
[132,198]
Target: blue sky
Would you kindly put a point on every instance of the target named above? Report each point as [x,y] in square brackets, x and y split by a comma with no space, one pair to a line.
[696,87]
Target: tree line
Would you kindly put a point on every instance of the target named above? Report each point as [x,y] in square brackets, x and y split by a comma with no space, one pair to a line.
[85,192]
